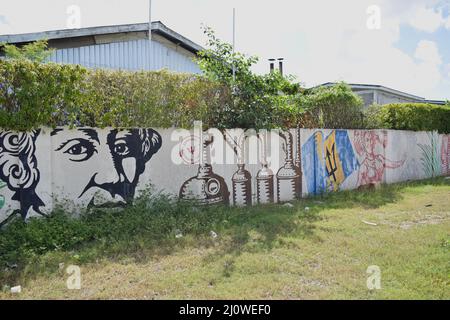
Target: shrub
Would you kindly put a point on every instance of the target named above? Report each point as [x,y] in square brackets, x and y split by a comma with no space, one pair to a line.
[150,99]
[410,116]
[335,107]
[34,94]
[35,51]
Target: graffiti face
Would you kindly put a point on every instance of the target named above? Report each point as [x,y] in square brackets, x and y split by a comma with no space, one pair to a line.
[94,167]
[105,166]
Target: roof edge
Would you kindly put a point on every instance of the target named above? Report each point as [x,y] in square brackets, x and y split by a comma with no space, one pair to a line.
[157,27]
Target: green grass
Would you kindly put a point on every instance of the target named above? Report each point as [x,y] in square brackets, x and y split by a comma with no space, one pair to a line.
[262,252]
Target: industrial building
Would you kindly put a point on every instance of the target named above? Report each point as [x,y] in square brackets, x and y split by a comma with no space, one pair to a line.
[125,47]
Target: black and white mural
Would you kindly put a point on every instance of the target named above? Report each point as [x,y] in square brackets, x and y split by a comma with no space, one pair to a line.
[90,167]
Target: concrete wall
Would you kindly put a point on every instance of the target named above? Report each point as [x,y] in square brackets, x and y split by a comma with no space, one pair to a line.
[86,167]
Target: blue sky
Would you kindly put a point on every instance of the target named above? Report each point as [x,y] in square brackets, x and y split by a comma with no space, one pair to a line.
[321,40]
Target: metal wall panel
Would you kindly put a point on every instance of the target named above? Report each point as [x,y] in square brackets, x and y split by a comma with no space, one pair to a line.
[128,55]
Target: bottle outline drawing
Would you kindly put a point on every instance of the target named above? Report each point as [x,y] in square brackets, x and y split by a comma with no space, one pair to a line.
[288,175]
[241,179]
[264,176]
[206,187]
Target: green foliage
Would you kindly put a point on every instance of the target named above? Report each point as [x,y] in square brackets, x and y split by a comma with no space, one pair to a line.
[334,107]
[409,116]
[36,51]
[34,94]
[150,99]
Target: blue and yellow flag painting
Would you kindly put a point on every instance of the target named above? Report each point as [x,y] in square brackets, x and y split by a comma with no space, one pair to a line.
[327,162]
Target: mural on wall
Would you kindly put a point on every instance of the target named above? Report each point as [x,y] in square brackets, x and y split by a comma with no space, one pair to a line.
[445,155]
[327,162]
[289,176]
[206,187]
[242,179]
[370,147]
[19,169]
[264,176]
[2,197]
[431,164]
[104,165]
[109,167]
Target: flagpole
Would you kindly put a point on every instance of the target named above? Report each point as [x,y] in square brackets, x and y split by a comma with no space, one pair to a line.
[150,33]
[234,40]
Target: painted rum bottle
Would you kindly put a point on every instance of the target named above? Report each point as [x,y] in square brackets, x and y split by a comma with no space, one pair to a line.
[206,187]
[289,175]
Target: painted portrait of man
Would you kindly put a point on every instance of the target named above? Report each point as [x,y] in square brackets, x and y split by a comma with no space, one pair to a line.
[89,167]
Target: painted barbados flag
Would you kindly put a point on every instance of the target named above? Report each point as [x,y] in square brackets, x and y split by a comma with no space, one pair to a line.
[328,161]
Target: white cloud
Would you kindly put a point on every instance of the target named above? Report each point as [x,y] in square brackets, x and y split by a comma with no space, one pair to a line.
[447,23]
[428,52]
[426,19]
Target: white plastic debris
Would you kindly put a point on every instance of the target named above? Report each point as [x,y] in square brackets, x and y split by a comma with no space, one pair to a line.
[213,234]
[369,223]
[289,205]
[306,208]
[16,289]
[178,234]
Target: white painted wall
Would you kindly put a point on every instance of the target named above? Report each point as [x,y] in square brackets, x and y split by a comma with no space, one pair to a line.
[88,166]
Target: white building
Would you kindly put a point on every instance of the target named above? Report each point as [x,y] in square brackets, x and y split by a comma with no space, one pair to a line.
[125,47]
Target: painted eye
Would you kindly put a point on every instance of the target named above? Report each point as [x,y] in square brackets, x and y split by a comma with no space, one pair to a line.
[78,149]
[121,149]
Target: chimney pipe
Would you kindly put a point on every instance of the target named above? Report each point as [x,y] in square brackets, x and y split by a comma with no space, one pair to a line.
[272,65]
[280,65]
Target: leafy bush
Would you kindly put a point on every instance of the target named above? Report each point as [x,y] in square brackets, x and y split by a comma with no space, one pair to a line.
[334,107]
[150,99]
[409,116]
[36,51]
[34,94]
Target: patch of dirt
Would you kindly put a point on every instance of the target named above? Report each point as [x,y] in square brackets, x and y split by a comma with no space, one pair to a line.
[429,219]
[312,283]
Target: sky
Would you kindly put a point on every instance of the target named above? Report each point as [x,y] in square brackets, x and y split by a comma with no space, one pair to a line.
[402,44]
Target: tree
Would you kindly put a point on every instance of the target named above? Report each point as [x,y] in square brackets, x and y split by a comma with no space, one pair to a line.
[258,101]
[37,51]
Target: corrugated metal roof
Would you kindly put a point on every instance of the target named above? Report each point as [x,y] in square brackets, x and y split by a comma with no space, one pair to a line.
[157,27]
